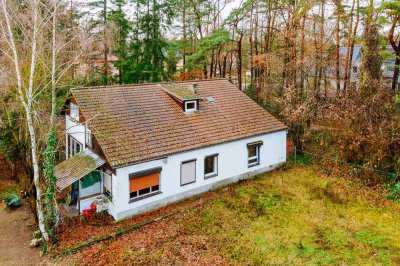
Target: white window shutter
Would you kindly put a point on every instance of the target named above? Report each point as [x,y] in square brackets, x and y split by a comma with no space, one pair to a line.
[188,172]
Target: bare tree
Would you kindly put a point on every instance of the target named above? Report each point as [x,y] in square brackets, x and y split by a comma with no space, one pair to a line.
[38,48]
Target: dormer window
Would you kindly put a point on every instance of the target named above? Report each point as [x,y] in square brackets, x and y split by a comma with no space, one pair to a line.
[190,106]
[74,111]
[186,96]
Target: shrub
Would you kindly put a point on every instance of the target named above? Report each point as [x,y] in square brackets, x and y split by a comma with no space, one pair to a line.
[7,190]
[394,192]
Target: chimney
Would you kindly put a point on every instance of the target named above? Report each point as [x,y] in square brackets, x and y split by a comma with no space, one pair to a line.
[194,87]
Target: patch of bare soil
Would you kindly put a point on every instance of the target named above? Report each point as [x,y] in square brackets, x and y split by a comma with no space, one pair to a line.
[16,229]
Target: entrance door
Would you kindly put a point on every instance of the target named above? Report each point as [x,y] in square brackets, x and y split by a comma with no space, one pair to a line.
[75,192]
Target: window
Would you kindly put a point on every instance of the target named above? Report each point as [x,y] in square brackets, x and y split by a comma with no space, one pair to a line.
[355,69]
[253,150]
[211,166]
[74,111]
[88,137]
[74,146]
[188,172]
[190,106]
[144,184]
[107,182]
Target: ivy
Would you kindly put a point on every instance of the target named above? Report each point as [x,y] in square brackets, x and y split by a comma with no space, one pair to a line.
[50,210]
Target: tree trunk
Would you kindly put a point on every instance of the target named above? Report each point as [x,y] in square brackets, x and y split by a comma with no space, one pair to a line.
[239,61]
[302,58]
[337,37]
[348,58]
[396,49]
[224,66]
[184,33]
[105,41]
[396,71]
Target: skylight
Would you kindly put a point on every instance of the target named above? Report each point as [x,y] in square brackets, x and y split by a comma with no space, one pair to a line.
[211,100]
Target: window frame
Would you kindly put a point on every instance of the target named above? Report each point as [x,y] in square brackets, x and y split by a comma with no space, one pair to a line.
[355,69]
[191,110]
[215,173]
[106,191]
[195,172]
[88,136]
[71,139]
[151,193]
[257,145]
[74,111]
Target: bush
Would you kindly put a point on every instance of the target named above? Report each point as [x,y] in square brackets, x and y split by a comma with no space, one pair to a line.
[394,192]
[7,190]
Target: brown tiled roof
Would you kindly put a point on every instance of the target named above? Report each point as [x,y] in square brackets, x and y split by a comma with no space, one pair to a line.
[135,123]
[76,167]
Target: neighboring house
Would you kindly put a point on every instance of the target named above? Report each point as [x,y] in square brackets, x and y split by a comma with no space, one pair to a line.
[354,72]
[147,145]
[94,63]
[387,67]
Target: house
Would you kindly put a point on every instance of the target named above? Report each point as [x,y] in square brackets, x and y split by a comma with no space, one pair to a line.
[389,57]
[132,148]
[387,68]
[354,71]
[94,62]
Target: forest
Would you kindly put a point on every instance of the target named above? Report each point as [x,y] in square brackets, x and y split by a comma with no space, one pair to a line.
[328,69]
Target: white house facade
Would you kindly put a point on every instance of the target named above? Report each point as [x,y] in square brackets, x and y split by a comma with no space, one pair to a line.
[112,168]
[231,165]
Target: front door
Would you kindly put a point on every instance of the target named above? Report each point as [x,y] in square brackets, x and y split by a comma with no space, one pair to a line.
[75,192]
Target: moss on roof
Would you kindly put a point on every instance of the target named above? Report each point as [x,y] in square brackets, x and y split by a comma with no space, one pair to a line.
[184,93]
[76,167]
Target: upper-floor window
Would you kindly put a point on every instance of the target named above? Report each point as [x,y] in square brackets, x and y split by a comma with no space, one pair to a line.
[253,150]
[190,106]
[74,111]
[74,146]
[355,69]
[88,136]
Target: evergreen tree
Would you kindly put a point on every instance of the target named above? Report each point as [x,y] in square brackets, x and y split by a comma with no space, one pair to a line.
[118,16]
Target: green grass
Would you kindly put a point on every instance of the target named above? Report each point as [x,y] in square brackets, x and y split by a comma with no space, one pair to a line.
[297,216]
[8,190]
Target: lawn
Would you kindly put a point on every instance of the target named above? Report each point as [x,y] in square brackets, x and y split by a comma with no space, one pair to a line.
[290,216]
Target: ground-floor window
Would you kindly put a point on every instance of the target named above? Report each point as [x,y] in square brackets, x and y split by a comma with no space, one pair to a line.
[188,172]
[211,166]
[74,146]
[144,183]
[253,150]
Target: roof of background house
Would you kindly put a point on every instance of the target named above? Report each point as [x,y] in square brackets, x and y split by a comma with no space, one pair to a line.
[356,52]
[136,123]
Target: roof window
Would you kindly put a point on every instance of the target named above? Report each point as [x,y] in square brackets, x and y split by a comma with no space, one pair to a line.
[190,106]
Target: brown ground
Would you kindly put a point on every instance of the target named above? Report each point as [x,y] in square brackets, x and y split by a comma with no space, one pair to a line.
[16,228]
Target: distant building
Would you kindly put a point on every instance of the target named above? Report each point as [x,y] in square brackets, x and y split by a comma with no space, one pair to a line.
[95,62]
[387,67]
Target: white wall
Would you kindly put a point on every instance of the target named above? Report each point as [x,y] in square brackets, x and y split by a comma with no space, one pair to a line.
[232,161]
[93,189]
